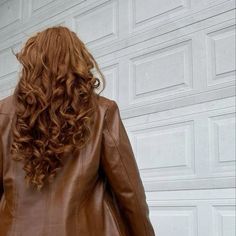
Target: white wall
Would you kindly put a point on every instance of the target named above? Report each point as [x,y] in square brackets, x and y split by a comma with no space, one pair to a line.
[170,65]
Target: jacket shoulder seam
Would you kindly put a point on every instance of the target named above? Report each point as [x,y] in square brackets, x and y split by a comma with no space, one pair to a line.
[108,105]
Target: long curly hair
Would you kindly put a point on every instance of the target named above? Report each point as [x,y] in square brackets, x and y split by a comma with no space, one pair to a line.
[54,102]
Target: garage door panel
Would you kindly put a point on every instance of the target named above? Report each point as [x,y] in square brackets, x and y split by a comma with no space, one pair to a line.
[222,143]
[196,212]
[98,25]
[221,55]
[158,72]
[160,12]
[196,143]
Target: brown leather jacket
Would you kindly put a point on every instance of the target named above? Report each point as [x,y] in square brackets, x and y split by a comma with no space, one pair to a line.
[98,194]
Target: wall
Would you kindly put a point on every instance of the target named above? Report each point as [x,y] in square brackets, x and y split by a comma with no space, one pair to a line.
[170,65]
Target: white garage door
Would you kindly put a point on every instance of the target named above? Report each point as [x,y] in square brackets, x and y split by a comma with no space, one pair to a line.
[170,65]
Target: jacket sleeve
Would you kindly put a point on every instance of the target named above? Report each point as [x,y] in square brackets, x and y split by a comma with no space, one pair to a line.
[122,172]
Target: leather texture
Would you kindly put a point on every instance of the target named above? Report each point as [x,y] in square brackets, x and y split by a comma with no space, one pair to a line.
[97,193]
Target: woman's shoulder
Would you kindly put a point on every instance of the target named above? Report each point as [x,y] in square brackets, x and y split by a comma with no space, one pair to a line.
[104,102]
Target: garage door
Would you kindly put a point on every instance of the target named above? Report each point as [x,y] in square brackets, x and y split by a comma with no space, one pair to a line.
[170,65]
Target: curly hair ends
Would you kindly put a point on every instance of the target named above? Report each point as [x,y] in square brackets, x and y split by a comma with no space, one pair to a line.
[54,102]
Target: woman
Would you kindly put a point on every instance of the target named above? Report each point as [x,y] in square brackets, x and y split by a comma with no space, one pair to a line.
[66,164]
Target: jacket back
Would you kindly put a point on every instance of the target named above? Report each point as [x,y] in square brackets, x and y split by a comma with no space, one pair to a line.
[97,193]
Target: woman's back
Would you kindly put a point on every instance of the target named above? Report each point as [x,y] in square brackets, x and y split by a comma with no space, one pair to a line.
[66,164]
[97,193]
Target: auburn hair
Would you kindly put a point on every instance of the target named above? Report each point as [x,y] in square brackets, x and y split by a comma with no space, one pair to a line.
[54,102]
